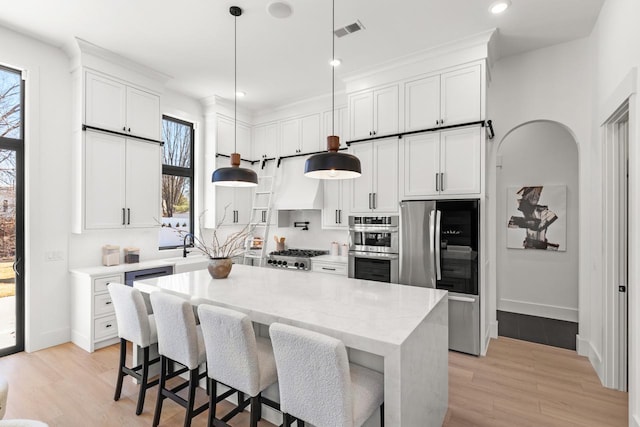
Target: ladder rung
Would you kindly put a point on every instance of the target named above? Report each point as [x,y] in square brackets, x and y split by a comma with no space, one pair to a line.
[252,256]
[258,224]
[260,208]
[264,192]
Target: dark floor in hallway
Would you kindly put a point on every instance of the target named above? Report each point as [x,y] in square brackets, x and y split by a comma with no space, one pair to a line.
[557,333]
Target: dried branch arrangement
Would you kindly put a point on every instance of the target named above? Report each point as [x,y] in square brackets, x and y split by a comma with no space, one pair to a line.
[232,246]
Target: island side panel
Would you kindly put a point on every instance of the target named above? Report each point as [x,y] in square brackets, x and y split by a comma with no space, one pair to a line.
[417,374]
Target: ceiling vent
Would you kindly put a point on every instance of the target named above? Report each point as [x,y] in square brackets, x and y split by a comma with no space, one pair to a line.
[348,29]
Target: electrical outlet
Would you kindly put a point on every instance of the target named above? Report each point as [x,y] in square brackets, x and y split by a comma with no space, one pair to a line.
[51,256]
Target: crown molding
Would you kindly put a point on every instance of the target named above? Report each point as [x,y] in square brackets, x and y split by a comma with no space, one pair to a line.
[480,40]
[86,53]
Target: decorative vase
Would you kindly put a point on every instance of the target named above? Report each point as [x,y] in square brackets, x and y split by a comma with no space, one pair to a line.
[219,268]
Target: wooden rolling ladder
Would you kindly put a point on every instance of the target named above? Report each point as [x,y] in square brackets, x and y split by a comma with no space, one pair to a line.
[261,210]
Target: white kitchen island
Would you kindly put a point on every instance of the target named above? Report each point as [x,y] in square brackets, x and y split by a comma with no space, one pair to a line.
[404,326]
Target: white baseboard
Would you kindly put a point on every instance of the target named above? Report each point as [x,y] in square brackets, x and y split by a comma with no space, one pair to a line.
[492,332]
[542,310]
[582,346]
[48,339]
[595,359]
[634,421]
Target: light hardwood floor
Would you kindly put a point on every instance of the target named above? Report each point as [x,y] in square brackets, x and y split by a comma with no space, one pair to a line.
[517,384]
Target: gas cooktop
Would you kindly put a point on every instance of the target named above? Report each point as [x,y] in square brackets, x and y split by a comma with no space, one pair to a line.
[294,259]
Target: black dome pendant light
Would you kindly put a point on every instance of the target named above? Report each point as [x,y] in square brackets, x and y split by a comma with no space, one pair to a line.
[332,164]
[235,176]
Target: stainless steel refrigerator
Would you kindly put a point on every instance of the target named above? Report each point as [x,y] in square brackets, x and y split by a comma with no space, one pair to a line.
[439,248]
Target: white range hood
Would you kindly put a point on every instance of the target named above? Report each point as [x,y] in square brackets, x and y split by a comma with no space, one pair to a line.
[296,191]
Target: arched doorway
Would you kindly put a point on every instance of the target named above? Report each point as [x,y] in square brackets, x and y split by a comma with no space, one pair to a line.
[537,241]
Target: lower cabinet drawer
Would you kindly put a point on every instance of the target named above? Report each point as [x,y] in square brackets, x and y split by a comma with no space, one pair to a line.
[102,304]
[100,284]
[329,268]
[105,327]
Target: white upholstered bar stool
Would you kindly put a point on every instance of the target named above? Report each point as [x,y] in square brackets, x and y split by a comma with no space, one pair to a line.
[137,327]
[317,383]
[179,340]
[237,359]
[4,394]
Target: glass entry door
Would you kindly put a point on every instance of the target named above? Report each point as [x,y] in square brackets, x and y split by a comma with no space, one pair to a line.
[11,211]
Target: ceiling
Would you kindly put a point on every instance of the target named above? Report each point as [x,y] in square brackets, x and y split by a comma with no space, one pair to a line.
[285,60]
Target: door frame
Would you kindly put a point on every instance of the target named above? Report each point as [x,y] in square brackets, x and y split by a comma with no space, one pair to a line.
[615,249]
[17,145]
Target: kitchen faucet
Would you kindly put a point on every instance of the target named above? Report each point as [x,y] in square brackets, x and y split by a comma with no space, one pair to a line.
[184,244]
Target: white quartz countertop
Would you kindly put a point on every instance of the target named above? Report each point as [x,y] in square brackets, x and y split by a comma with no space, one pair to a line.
[371,316]
[122,268]
[330,258]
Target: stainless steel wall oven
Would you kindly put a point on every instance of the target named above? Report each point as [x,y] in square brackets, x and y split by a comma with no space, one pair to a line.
[373,248]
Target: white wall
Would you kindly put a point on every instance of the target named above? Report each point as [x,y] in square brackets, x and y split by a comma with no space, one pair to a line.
[616,45]
[536,282]
[551,84]
[48,150]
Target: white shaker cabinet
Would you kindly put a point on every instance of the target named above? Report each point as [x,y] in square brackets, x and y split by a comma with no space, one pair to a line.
[374,112]
[113,105]
[233,204]
[335,208]
[441,163]
[121,182]
[300,135]
[443,99]
[226,133]
[93,319]
[377,189]
[265,141]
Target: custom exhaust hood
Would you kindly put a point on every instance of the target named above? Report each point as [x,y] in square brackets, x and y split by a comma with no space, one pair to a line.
[296,191]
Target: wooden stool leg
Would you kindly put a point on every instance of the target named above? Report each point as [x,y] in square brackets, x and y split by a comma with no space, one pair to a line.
[382,415]
[161,386]
[286,420]
[123,358]
[213,392]
[144,380]
[300,423]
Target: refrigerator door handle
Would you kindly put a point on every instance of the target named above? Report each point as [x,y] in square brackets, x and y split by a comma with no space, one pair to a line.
[432,242]
[437,245]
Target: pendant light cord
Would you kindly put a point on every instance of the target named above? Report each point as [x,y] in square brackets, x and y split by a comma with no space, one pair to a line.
[235,84]
[333,67]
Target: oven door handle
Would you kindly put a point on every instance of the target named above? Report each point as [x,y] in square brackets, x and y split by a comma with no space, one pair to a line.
[462,299]
[369,255]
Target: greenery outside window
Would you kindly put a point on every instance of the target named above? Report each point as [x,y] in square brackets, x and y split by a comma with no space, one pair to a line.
[177,181]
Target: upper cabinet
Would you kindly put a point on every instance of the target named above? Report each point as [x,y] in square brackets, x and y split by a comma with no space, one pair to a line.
[335,208]
[444,99]
[374,112]
[117,167]
[376,190]
[265,141]
[300,135]
[441,163]
[121,182]
[233,137]
[113,105]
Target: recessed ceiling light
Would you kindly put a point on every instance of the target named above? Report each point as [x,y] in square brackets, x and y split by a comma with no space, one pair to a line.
[279,9]
[335,62]
[240,94]
[499,6]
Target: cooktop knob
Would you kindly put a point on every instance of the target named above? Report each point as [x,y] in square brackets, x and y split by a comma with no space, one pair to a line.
[269,261]
[296,265]
[284,262]
[279,262]
[301,265]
